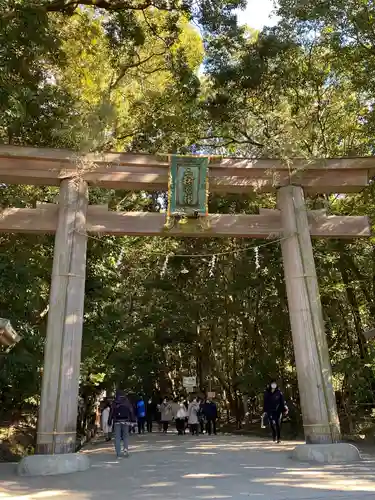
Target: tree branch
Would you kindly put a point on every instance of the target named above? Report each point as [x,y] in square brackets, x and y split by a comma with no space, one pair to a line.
[124,69]
[230,140]
[69,7]
[167,43]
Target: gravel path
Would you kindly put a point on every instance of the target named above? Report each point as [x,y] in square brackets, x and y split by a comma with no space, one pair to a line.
[189,468]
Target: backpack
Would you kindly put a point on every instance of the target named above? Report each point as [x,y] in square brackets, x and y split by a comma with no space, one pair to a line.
[141,410]
[122,411]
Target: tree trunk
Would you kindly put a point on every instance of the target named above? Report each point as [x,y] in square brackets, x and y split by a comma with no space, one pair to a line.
[352,299]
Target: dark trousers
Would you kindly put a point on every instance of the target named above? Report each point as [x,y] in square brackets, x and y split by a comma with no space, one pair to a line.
[180,426]
[275,424]
[165,426]
[149,425]
[194,429]
[211,426]
[201,425]
[141,425]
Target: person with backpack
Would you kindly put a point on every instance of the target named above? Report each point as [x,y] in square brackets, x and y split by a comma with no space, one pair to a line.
[141,415]
[122,416]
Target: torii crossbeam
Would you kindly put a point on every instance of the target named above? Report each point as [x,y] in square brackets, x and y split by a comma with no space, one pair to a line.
[49,167]
[35,166]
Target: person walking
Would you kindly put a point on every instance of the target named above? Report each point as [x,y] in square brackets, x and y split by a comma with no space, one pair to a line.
[107,430]
[193,417]
[150,414]
[122,416]
[158,415]
[185,402]
[209,411]
[181,419]
[133,401]
[201,416]
[166,413]
[175,407]
[141,415]
[274,408]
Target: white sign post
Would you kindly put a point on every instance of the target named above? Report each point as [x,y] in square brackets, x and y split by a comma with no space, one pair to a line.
[189,382]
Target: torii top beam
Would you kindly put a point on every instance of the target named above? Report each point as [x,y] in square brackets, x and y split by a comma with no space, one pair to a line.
[24,165]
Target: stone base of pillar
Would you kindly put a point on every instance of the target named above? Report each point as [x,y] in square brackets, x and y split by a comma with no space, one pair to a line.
[335,453]
[51,465]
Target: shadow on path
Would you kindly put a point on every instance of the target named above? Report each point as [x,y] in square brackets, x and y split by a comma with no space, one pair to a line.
[189,468]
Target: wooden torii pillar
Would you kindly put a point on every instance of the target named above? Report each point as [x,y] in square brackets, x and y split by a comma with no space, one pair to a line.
[319,411]
[59,401]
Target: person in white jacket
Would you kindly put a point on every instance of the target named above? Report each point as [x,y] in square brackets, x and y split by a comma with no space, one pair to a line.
[181,419]
[107,431]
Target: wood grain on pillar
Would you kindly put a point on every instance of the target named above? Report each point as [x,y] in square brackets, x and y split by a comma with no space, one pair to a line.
[58,409]
[317,397]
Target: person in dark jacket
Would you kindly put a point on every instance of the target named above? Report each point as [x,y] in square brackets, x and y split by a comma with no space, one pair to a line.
[150,414]
[209,410]
[274,408]
[122,417]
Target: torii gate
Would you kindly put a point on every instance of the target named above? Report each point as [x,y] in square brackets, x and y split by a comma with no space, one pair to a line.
[73,218]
